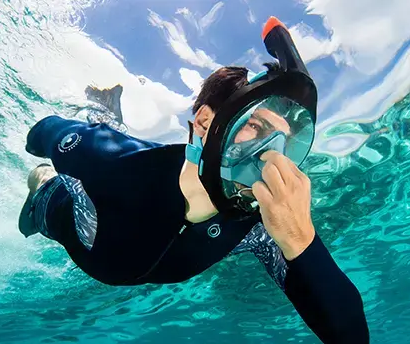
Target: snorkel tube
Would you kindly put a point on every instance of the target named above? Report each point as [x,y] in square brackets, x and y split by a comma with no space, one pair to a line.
[279,45]
[290,79]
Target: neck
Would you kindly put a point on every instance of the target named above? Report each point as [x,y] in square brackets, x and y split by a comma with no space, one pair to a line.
[199,207]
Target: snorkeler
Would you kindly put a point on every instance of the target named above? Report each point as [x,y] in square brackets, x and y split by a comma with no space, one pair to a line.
[130,212]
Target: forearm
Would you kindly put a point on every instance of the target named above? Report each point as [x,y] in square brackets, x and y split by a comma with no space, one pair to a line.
[325,298]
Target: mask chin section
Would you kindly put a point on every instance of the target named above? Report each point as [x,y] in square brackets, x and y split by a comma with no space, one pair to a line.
[244,202]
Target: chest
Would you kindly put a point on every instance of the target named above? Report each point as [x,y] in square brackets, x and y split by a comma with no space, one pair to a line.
[200,246]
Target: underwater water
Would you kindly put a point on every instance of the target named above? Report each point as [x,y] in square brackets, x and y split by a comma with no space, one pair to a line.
[361,209]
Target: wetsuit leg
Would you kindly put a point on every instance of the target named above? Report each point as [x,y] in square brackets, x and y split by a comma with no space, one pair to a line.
[85,214]
[259,242]
[48,198]
[61,209]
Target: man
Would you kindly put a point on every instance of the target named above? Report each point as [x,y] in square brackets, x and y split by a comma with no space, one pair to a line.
[130,212]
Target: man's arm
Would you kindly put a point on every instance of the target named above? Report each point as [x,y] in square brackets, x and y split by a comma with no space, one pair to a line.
[321,293]
[81,150]
[325,298]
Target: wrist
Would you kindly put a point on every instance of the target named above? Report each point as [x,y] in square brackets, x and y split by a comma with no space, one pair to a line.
[294,247]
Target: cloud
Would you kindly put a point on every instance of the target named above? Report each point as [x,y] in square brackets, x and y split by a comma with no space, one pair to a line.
[310,46]
[115,51]
[374,102]
[189,16]
[363,38]
[150,109]
[192,79]
[208,19]
[175,36]
[250,15]
[204,22]
[167,74]
[363,35]
[184,11]
[252,59]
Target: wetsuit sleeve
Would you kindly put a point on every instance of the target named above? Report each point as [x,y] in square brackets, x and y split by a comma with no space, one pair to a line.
[325,298]
[81,150]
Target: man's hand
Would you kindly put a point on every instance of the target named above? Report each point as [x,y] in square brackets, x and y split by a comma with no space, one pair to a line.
[284,199]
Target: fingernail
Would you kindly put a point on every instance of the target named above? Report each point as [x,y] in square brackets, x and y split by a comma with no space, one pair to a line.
[265,156]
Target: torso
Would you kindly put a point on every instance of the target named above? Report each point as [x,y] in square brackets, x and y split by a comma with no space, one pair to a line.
[134,231]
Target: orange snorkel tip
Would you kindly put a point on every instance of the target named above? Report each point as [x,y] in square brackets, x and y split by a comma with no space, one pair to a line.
[270,25]
[279,44]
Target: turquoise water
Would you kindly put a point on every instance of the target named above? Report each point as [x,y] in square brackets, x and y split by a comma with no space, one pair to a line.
[361,207]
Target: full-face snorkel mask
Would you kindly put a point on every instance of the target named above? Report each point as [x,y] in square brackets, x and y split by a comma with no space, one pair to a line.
[276,110]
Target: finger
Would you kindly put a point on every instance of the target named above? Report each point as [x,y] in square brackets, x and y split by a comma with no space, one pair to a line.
[273,179]
[305,180]
[298,173]
[262,193]
[282,163]
[266,155]
[293,167]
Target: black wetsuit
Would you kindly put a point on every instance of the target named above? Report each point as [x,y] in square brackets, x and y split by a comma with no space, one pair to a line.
[142,236]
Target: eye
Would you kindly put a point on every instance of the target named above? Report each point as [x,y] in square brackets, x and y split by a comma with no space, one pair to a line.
[255,126]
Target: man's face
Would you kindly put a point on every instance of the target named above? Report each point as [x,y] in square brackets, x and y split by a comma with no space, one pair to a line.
[261,124]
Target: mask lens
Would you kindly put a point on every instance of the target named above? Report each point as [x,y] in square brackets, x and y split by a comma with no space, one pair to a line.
[273,123]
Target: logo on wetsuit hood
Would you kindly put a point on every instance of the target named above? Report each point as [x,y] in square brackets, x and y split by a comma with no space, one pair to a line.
[69,142]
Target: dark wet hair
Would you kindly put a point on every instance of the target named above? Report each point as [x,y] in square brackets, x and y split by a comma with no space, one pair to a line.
[218,87]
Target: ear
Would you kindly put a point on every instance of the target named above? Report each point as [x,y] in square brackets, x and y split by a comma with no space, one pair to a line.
[203,120]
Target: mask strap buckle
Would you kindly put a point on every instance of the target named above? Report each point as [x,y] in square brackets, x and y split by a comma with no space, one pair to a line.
[193,151]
